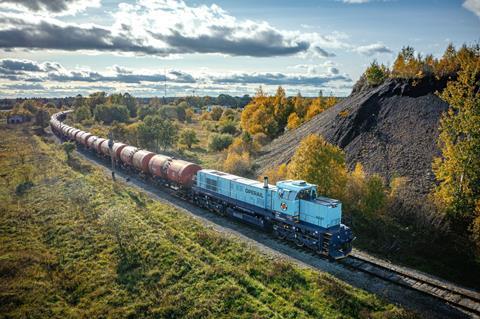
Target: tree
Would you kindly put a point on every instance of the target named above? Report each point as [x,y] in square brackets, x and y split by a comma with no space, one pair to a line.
[376,73]
[316,107]
[458,170]
[321,163]
[238,164]
[68,147]
[188,137]
[82,113]
[216,113]
[42,118]
[219,142]
[109,113]
[293,121]
[276,174]
[156,132]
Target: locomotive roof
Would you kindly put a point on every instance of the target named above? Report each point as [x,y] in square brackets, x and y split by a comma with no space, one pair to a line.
[239,179]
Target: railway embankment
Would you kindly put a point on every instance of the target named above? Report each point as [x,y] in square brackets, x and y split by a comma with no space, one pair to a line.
[75,244]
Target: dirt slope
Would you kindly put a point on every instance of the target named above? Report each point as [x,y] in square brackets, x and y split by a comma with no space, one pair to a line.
[391,129]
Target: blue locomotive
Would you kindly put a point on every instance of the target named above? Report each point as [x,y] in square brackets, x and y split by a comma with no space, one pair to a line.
[292,209]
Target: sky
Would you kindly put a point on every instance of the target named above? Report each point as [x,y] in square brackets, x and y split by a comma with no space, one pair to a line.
[56,48]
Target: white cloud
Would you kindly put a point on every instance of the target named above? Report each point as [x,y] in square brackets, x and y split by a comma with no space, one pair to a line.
[355,1]
[372,49]
[472,5]
[50,7]
[165,28]
[26,76]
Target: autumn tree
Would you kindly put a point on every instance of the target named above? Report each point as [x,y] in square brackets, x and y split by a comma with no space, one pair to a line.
[238,164]
[320,163]
[458,170]
[293,121]
[42,118]
[216,113]
[188,137]
[376,73]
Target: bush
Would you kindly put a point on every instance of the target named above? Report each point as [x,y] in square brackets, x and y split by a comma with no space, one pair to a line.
[261,139]
[228,127]
[376,73]
[216,113]
[219,142]
[238,164]
[188,137]
[110,113]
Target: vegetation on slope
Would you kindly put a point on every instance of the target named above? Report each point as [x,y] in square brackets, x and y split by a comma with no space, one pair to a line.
[72,244]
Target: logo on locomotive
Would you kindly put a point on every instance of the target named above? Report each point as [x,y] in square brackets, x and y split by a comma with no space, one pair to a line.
[253,192]
[284,206]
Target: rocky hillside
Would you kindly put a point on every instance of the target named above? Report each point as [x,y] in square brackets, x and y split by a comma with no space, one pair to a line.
[391,129]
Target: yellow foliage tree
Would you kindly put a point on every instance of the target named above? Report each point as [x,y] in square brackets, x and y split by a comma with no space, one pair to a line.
[238,164]
[458,170]
[275,174]
[316,107]
[320,163]
[293,121]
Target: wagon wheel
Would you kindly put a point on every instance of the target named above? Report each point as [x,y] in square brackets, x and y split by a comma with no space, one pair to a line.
[280,235]
[299,242]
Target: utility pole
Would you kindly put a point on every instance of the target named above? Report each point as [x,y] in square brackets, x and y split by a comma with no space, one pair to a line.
[110,147]
[165,86]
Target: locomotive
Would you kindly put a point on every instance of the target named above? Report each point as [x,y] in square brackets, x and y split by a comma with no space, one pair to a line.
[291,209]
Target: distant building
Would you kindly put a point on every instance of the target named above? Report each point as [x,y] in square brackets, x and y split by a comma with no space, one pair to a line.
[17,118]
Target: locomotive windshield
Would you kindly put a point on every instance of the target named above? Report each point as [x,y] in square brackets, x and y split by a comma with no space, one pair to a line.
[307,194]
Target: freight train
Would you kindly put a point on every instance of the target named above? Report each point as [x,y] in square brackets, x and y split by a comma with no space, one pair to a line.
[291,209]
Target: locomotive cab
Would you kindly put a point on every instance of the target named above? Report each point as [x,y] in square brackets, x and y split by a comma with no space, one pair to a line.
[298,201]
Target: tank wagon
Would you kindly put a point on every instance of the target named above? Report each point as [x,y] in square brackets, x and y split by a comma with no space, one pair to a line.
[291,209]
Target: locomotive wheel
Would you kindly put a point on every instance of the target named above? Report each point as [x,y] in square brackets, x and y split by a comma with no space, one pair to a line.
[299,242]
[279,235]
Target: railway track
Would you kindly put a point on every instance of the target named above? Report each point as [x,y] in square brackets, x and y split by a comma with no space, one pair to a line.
[464,299]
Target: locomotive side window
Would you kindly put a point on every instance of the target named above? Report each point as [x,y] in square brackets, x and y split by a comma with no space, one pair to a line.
[211,184]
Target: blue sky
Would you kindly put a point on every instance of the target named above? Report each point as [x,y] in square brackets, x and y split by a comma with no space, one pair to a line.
[66,47]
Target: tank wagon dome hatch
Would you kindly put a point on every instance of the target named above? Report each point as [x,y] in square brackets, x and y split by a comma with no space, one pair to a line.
[141,160]
[126,155]
[158,165]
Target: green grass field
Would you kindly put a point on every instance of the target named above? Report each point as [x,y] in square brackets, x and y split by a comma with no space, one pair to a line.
[73,244]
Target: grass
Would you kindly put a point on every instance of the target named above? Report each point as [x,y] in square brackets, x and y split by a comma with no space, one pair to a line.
[72,244]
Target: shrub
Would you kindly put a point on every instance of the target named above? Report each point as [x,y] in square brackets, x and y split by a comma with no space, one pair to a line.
[109,113]
[238,164]
[228,127]
[219,142]
[188,137]
[376,73]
